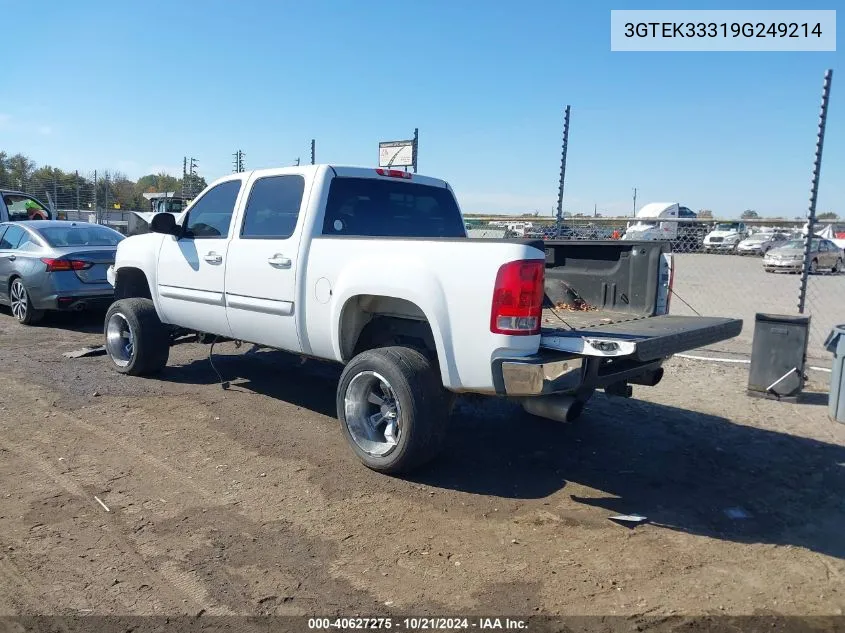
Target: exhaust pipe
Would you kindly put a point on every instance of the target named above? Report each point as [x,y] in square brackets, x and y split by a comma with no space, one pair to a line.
[649,378]
[555,407]
[79,306]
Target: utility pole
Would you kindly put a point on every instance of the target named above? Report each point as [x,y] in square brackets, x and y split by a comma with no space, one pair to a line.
[192,176]
[635,202]
[313,151]
[239,161]
[562,171]
[184,177]
[416,147]
[297,161]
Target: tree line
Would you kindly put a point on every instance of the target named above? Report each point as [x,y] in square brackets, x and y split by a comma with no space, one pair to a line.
[111,189]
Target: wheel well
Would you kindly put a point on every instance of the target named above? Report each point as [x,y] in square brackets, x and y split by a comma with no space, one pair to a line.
[131,282]
[370,321]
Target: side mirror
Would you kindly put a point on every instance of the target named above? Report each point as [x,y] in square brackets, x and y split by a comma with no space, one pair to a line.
[165,223]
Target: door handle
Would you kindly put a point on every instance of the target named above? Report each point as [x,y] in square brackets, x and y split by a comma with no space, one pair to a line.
[279,261]
[213,258]
[11,258]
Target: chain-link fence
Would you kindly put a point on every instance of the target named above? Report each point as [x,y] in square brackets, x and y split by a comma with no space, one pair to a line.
[732,268]
[79,197]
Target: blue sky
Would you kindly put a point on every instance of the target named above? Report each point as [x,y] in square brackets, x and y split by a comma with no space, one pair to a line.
[135,86]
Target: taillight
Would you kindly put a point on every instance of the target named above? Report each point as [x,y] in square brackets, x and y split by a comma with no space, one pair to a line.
[518,298]
[394,173]
[57,265]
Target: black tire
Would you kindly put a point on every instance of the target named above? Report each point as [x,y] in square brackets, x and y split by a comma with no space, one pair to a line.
[149,345]
[21,304]
[837,267]
[423,404]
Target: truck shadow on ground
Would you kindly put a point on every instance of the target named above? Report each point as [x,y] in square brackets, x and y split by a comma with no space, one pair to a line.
[684,470]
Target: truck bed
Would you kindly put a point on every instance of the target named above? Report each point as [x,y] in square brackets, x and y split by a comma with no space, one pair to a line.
[561,318]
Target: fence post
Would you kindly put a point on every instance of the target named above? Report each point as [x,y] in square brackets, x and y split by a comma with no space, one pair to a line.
[814,192]
[76,183]
[559,219]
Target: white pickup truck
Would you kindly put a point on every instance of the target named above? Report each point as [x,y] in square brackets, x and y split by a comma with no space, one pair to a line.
[372,268]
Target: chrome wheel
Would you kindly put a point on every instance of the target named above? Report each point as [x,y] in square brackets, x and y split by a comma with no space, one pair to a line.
[19,300]
[120,341]
[372,414]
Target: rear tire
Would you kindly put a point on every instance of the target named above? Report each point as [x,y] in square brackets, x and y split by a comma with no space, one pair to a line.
[137,342]
[393,408]
[21,304]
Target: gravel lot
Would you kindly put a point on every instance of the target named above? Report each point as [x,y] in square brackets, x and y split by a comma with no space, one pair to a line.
[247,501]
[732,285]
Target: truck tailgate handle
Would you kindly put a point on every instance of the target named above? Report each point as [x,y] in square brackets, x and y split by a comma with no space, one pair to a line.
[279,261]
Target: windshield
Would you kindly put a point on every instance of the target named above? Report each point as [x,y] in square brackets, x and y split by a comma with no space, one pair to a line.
[641,226]
[80,235]
[727,226]
[800,244]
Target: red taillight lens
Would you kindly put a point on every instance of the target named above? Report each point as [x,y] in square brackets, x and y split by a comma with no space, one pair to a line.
[57,265]
[518,298]
[394,173]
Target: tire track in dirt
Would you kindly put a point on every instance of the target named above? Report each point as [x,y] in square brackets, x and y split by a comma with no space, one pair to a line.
[182,583]
[152,476]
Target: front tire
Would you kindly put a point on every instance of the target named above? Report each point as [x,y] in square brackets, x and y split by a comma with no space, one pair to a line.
[137,342]
[393,408]
[837,267]
[21,304]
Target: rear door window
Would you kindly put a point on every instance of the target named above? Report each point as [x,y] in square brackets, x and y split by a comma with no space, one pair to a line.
[374,207]
[273,207]
[11,238]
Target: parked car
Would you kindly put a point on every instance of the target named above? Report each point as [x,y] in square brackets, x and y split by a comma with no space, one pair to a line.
[16,206]
[789,257]
[760,243]
[54,265]
[371,268]
[725,237]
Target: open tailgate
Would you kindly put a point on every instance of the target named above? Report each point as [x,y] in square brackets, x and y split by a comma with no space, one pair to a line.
[643,339]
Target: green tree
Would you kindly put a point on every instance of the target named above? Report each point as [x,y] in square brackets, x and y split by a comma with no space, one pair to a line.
[827,215]
[750,214]
[20,170]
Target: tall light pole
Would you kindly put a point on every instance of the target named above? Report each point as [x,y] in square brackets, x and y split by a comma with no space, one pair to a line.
[635,202]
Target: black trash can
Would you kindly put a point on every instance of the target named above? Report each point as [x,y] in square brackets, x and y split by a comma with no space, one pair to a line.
[778,356]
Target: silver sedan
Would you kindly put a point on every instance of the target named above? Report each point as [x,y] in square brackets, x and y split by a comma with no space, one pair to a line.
[55,265]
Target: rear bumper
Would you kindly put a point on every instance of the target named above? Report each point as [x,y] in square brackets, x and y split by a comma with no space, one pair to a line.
[77,300]
[647,344]
[549,373]
[790,266]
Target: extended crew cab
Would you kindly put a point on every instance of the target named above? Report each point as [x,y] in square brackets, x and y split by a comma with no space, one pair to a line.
[372,268]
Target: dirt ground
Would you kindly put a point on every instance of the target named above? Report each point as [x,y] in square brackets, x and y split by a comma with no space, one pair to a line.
[248,501]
